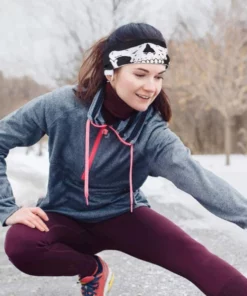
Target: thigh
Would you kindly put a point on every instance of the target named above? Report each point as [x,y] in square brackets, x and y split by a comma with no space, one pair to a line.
[62,229]
[151,237]
[147,235]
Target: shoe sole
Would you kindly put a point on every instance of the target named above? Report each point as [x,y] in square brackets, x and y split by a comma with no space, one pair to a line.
[109,282]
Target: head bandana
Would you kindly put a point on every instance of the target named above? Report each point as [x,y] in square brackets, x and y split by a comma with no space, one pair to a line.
[148,51]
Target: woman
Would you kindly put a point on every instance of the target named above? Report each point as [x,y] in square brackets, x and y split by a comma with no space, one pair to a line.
[106,135]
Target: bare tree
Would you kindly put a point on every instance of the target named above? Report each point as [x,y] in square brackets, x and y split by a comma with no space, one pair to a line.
[214,69]
[242,143]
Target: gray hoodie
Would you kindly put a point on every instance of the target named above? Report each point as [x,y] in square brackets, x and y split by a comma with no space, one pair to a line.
[96,170]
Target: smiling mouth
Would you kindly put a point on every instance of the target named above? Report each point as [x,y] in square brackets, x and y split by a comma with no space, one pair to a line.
[143,97]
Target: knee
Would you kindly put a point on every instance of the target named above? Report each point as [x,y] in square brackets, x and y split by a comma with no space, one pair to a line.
[19,245]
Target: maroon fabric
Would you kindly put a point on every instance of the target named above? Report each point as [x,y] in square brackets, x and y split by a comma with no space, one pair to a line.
[68,248]
[114,107]
[235,287]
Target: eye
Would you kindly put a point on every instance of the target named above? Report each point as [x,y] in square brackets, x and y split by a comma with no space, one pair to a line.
[139,75]
[159,77]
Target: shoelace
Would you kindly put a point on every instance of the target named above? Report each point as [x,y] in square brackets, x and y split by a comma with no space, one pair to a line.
[90,288]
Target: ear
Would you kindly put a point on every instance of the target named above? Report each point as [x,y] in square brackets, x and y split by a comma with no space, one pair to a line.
[109,74]
[109,77]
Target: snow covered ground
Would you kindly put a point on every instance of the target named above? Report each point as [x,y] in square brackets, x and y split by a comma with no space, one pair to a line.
[28,175]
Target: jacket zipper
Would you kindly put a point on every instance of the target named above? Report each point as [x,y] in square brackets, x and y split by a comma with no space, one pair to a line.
[103,131]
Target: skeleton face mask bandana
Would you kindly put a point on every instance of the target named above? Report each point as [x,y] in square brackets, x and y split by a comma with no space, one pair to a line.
[149,51]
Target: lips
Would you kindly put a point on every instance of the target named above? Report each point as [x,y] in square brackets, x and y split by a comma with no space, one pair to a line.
[143,97]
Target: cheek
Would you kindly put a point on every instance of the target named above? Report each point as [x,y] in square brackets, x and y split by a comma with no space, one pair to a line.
[127,85]
[159,88]
[157,92]
[123,89]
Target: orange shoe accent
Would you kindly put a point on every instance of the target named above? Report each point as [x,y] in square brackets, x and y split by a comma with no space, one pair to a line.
[98,284]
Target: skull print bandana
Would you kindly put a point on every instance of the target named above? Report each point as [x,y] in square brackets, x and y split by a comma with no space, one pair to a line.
[148,51]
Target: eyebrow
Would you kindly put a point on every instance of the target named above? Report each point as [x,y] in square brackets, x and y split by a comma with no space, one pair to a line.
[148,71]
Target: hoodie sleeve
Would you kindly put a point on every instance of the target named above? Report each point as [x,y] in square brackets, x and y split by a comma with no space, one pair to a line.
[24,127]
[169,158]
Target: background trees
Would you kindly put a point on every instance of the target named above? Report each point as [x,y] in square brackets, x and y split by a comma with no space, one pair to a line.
[206,80]
[210,74]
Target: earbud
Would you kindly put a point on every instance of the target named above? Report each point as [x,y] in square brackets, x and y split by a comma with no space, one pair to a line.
[110,77]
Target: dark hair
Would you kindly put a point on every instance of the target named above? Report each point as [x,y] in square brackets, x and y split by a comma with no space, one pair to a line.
[91,75]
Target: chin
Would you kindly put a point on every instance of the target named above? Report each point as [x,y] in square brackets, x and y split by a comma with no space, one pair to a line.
[141,108]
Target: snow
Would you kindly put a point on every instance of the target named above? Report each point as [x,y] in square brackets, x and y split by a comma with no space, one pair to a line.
[31,161]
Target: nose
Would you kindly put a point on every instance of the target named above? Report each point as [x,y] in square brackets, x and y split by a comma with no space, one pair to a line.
[149,86]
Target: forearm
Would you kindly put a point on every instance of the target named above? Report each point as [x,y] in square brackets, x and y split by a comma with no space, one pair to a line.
[7,208]
[20,128]
[7,201]
[215,194]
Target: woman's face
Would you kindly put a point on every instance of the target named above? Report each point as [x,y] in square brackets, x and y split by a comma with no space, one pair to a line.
[138,84]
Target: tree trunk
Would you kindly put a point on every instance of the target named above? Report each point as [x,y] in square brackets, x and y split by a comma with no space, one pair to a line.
[228,139]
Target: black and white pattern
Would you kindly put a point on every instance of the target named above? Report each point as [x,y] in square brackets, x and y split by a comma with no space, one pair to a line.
[144,53]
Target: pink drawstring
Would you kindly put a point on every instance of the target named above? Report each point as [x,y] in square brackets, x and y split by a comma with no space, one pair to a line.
[87,160]
[130,177]
[86,173]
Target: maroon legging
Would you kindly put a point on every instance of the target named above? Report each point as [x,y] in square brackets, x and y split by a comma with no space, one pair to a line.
[67,249]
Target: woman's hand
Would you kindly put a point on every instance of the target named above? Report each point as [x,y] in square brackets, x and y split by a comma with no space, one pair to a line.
[32,217]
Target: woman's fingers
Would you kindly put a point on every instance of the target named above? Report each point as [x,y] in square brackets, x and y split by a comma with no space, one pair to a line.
[38,223]
[32,217]
[38,211]
[28,223]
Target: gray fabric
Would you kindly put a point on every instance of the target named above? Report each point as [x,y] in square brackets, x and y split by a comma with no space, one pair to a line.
[157,152]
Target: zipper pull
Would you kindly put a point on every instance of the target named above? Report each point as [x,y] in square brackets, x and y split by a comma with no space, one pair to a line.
[105,132]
